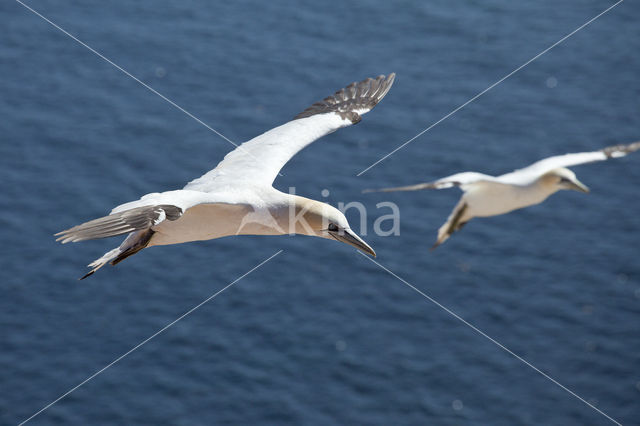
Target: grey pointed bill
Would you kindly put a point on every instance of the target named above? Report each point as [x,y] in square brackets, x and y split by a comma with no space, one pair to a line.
[349,237]
[579,186]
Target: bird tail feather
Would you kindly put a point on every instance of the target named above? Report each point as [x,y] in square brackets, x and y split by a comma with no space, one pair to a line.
[135,242]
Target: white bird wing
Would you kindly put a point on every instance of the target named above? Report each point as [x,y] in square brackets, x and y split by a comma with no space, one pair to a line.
[541,167]
[148,211]
[184,199]
[259,160]
[463,180]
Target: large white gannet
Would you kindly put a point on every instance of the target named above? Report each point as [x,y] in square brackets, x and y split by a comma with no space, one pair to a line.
[485,195]
[237,197]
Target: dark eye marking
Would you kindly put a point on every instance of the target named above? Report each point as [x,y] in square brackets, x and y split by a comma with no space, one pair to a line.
[333,227]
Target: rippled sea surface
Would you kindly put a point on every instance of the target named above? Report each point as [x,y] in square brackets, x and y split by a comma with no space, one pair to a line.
[320,335]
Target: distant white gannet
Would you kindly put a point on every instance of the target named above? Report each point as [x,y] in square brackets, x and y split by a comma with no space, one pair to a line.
[485,195]
[237,197]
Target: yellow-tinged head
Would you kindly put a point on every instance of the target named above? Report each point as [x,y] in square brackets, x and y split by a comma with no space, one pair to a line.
[563,178]
[310,217]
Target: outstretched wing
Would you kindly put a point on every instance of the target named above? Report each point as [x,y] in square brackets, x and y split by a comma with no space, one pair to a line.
[120,223]
[459,179]
[149,211]
[260,159]
[541,167]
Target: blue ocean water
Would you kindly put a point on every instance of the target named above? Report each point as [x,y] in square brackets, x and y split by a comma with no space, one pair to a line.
[320,335]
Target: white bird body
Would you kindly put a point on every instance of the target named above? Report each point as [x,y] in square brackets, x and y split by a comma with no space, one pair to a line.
[237,196]
[485,195]
[493,198]
[206,222]
[213,215]
[264,214]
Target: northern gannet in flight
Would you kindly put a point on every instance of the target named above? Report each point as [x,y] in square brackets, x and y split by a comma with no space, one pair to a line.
[485,195]
[237,197]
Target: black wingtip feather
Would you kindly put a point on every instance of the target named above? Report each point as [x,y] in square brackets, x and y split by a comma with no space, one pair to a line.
[621,150]
[119,223]
[363,95]
[86,275]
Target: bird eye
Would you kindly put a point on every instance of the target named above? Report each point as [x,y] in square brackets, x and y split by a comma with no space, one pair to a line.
[333,227]
[564,179]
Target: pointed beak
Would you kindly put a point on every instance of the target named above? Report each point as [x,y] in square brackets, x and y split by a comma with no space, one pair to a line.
[349,237]
[579,186]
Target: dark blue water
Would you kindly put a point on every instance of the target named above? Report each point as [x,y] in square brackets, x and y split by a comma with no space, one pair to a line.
[320,335]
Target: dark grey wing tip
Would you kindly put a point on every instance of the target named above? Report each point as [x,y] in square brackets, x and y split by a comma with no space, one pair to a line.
[417,187]
[357,96]
[87,275]
[119,223]
[621,150]
[370,190]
